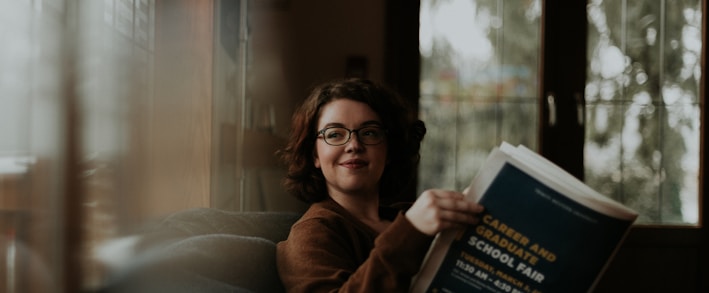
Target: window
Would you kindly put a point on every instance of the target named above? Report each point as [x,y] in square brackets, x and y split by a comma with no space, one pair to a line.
[643,106]
[480,85]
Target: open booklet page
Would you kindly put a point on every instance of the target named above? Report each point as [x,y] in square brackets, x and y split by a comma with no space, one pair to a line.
[557,178]
[542,231]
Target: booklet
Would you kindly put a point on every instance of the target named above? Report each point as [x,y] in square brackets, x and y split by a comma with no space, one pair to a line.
[543,231]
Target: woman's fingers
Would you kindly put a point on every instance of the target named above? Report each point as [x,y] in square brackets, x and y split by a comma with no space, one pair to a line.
[456,201]
[436,210]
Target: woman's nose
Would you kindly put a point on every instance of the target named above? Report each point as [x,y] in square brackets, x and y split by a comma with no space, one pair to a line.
[354,145]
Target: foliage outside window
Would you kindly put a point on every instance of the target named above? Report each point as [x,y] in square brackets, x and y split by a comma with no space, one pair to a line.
[643,106]
[479,86]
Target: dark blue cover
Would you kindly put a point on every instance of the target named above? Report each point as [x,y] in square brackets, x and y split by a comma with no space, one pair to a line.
[530,239]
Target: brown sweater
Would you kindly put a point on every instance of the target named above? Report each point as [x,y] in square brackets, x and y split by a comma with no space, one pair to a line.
[329,250]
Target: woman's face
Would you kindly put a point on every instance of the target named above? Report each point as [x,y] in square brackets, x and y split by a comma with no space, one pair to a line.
[352,168]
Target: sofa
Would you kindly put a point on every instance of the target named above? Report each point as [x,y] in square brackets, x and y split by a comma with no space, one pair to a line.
[205,250]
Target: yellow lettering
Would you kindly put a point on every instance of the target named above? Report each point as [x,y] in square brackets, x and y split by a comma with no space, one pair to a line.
[505,230]
[545,254]
[502,242]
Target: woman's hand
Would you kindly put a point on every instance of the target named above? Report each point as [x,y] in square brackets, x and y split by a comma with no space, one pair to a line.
[436,210]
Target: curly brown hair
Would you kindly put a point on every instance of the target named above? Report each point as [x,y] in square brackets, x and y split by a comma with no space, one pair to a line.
[404,135]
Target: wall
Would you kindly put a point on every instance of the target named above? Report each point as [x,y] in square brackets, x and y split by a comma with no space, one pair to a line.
[179,132]
[319,35]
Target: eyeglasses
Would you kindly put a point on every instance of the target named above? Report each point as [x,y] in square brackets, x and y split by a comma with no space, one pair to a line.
[369,135]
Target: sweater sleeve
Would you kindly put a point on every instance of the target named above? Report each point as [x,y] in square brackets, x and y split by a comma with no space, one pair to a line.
[319,258]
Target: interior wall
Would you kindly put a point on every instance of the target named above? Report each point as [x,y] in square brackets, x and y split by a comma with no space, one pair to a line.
[179,127]
[318,36]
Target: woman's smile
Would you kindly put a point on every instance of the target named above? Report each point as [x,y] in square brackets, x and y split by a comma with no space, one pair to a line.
[354,164]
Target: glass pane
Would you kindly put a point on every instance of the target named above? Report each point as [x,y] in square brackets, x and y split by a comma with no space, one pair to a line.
[605,151]
[440,159]
[477,131]
[642,106]
[32,137]
[116,49]
[680,164]
[518,48]
[479,83]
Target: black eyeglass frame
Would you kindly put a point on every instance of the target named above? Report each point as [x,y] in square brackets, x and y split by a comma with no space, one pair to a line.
[321,134]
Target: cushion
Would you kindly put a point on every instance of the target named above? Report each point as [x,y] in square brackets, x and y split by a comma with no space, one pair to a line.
[208,250]
[273,226]
[241,261]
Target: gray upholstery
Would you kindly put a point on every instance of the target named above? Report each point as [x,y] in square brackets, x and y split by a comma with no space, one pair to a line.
[208,250]
[273,226]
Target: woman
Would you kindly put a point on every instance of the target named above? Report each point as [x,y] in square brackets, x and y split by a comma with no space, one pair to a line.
[353,145]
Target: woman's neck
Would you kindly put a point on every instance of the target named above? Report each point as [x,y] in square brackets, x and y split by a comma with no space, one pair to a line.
[363,207]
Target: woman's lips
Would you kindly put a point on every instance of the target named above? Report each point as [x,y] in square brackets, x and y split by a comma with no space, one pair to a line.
[354,164]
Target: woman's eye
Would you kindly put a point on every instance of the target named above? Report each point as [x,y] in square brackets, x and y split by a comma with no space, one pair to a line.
[334,135]
[371,132]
